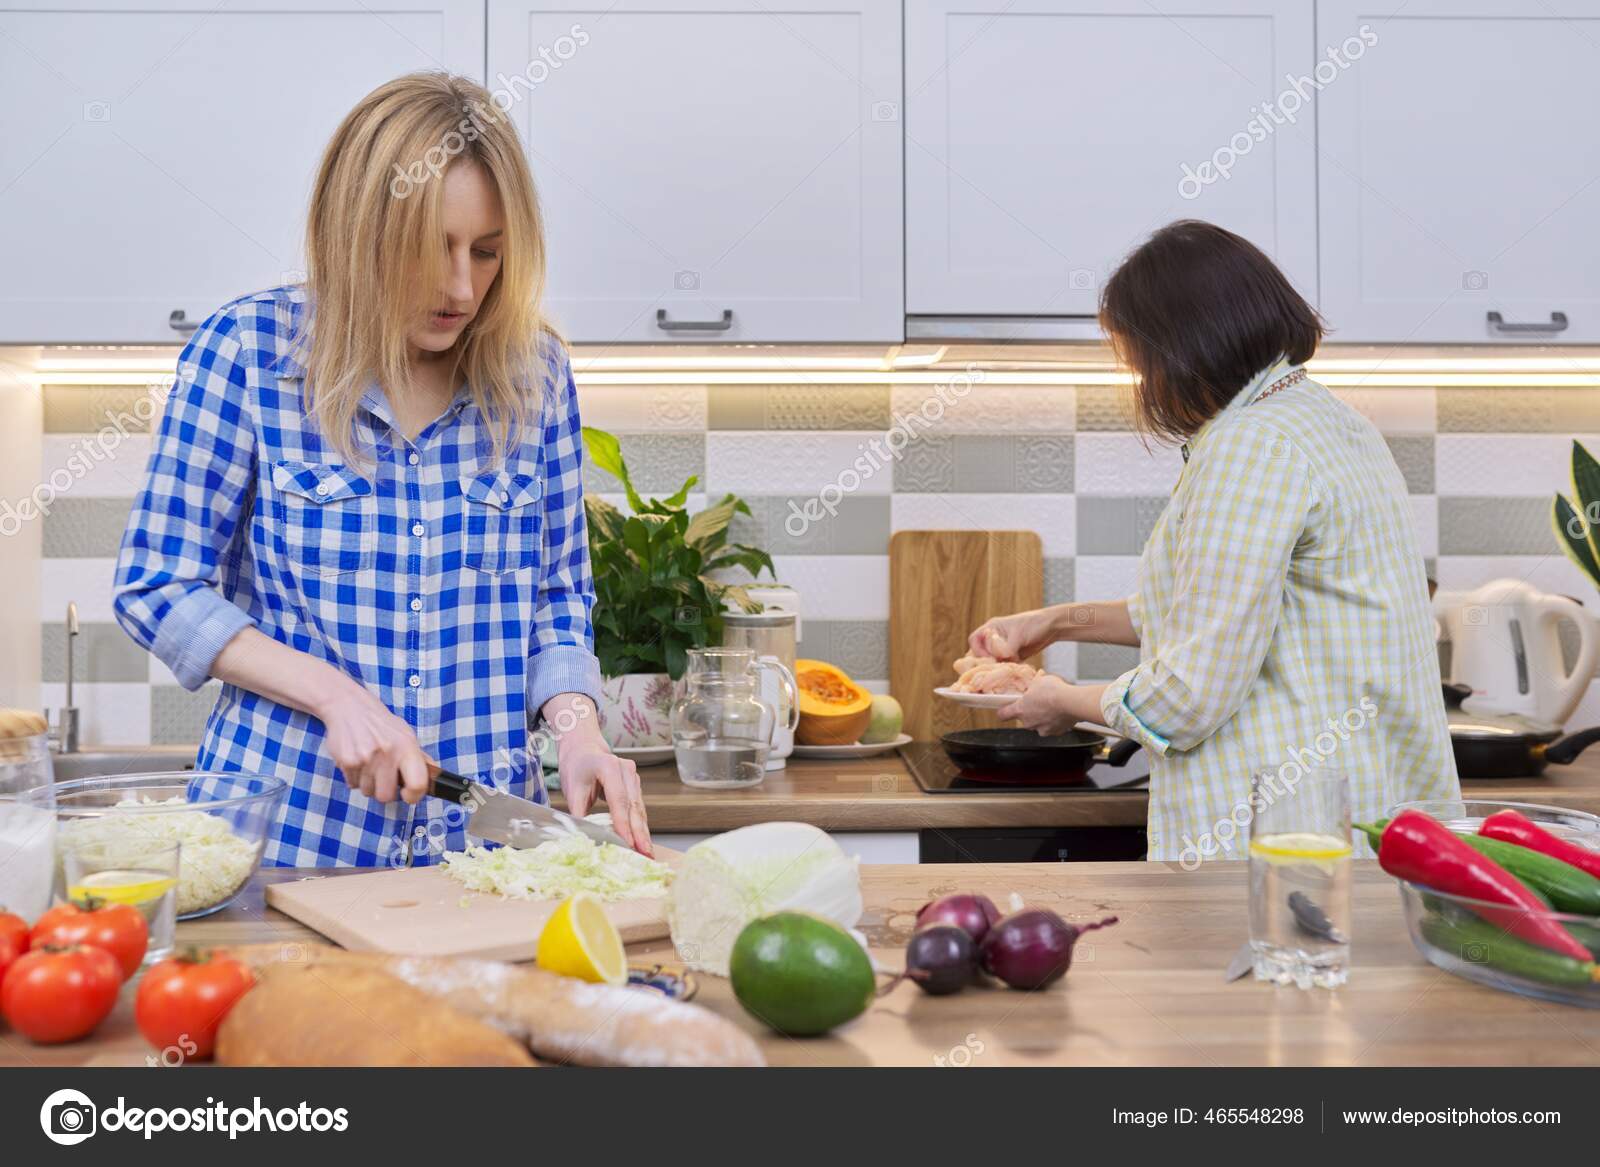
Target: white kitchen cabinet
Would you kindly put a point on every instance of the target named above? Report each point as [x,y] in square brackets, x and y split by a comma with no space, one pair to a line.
[713,170]
[157,156]
[1046,138]
[1459,166]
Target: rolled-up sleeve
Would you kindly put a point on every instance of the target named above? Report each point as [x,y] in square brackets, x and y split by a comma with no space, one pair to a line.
[562,656]
[167,592]
[1244,511]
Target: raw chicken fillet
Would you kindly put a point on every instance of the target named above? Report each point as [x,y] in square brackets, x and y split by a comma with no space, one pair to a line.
[982,675]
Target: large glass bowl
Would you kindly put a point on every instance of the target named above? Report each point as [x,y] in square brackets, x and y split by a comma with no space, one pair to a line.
[1453,933]
[220,821]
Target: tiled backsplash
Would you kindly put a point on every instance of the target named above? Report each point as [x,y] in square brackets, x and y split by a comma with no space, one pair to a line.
[1480,464]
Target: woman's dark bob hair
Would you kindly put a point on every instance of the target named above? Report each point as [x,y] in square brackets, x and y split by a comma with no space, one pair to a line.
[1196,312]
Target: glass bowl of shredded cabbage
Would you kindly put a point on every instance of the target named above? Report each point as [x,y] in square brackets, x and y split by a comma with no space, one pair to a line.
[218,820]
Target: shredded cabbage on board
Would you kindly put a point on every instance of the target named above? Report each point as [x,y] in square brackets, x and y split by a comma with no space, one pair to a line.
[558,869]
[213,862]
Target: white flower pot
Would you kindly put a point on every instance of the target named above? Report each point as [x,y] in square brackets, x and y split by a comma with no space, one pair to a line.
[635,710]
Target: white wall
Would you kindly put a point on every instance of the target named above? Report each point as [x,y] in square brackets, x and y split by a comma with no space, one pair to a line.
[21,460]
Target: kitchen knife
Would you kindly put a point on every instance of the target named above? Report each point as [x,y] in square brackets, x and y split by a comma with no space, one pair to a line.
[504,818]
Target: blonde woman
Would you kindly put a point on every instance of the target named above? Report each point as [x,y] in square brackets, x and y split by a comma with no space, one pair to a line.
[364,508]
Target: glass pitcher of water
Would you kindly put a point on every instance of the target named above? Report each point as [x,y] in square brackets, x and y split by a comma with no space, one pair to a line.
[721,729]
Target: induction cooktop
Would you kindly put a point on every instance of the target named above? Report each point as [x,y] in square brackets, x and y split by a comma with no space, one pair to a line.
[937,774]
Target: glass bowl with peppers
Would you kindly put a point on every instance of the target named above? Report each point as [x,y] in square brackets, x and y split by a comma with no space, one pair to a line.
[1506,894]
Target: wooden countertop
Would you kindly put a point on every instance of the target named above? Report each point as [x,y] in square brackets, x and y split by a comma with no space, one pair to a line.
[879,794]
[1148,991]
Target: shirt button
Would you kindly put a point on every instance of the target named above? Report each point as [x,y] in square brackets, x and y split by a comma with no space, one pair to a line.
[415,680]
[416,604]
[415,458]
[322,488]
[505,496]
[418,530]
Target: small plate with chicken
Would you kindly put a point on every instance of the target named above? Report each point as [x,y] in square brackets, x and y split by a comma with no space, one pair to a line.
[985,683]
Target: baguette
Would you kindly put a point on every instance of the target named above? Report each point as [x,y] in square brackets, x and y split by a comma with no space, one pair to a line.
[346,1015]
[559,1018]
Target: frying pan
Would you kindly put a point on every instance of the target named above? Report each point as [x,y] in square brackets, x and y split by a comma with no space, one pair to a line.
[1020,753]
[1507,746]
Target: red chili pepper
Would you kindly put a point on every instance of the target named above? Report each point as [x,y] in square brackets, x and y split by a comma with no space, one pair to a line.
[1423,850]
[1512,826]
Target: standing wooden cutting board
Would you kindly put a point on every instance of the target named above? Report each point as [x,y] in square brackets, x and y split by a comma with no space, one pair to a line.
[942,585]
[421,911]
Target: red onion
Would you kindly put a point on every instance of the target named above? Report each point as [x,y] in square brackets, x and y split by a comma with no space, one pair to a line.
[942,959]
[973,914]
[1032,948]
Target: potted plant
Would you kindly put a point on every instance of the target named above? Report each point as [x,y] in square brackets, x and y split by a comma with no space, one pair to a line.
[655,593]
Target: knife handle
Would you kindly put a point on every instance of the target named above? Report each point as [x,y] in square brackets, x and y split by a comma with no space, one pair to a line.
[448,786]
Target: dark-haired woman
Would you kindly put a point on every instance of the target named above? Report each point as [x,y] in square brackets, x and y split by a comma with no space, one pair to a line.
[1282,613]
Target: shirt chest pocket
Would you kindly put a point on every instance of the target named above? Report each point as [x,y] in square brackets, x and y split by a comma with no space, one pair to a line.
[327,516]
[504,523]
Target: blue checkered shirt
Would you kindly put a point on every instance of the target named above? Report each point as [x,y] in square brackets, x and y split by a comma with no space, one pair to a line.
[456,589]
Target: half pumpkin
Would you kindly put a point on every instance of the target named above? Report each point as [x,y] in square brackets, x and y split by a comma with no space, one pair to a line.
[834,710]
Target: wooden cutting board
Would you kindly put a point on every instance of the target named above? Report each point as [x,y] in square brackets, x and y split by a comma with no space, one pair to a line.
[942,585]
[421,911]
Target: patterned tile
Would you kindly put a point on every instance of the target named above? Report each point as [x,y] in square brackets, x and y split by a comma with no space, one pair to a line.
[1508,464]
[957,407]
[1525,410]
[1496,526]
[1425,522]
[798,407]
[643,408]
[1059,578]
[808,525]
[859,647]
[1394,411]
[1547,572]
[1116,526]
[108,714]
[177,716]
[753,462]
[95,465]
[88,409]
[1125,463]
[926,465]
[104,652]
[85,528]
[1104,407]
[837,587]
[1105,577]
[658,463]
[1105,662]
[84,581]
[1414,456]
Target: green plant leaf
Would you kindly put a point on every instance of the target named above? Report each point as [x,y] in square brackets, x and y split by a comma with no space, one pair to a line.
[706,527]
[677,500]
[1586,491]
[605,452]
[1573,533]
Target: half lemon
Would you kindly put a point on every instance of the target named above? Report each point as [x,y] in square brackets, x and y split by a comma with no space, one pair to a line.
[123,887]
[580,940]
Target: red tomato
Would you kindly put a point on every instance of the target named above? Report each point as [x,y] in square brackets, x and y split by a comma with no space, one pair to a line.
[181,1001]
[8,953]
[60,994]
[15,929]
[118,928]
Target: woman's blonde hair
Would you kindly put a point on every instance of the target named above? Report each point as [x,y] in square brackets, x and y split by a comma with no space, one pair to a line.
[375,252]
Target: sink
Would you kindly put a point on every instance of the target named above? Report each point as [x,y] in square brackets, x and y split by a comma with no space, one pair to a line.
[121,760]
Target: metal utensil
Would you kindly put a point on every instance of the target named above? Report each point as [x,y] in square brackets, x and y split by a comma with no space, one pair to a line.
[504,818]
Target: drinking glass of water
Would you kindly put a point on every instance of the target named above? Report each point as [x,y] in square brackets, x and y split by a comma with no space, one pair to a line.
[142,873]
[1300,878]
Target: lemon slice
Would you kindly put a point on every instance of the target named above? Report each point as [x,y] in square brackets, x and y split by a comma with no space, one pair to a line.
[1300,847]
[581,941]
[123,887]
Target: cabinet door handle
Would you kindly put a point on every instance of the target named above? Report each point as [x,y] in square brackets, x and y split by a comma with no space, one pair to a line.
[721,325]
[1558,323]
[179,321]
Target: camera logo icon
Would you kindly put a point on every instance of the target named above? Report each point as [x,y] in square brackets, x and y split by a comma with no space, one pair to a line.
[96,111]
[1475,615]
[1081,279]
[1474,281]
[885,111]
[68,1117]
[686,281]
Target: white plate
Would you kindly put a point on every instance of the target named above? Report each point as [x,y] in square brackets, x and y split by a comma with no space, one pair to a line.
[644,755]
[853,750]
[977,700]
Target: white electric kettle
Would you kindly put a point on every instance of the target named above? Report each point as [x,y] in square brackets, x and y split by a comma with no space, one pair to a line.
[1505,645]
